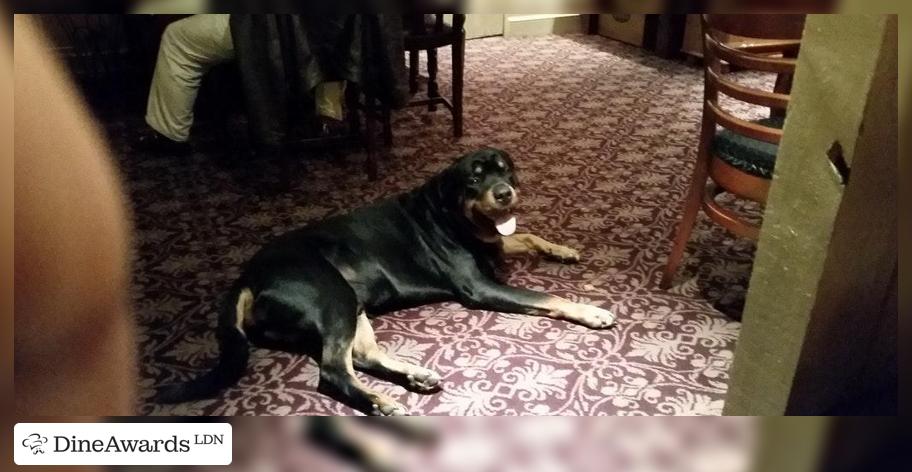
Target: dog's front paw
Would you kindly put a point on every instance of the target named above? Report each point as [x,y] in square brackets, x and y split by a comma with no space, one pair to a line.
[562,254]
[425,380]
[388,407]
[590,316]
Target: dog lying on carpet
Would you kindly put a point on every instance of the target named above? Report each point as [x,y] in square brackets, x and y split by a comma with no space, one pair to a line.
[435,243]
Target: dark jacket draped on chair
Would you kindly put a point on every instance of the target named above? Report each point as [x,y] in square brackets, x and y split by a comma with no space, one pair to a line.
[282,58]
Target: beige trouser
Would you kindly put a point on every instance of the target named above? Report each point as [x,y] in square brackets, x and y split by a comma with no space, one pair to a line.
[189,48]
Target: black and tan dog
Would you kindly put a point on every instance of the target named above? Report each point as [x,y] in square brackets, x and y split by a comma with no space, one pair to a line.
[435,243]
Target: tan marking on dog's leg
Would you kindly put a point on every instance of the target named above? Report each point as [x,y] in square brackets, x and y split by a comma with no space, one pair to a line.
[368,355]
[586,315]
[525,243]
[337,368]
[243,309]
[515,244]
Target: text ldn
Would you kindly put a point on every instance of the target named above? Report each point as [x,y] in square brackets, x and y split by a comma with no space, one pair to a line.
[208,439]
[113,444]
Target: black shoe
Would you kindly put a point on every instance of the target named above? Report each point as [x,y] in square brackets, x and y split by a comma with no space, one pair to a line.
[153,141]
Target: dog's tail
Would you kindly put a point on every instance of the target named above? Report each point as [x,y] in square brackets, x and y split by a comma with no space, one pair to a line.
[234,351]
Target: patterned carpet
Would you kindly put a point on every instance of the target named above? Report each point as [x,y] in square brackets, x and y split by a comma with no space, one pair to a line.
[604,136]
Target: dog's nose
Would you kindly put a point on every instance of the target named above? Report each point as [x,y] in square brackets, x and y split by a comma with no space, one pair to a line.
[503,193]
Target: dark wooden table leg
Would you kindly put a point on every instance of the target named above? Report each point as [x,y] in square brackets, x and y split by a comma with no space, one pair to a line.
[386,115]
[458,71]
[352,97]
[432,89]
[369,145]
[413,71]
[783,85]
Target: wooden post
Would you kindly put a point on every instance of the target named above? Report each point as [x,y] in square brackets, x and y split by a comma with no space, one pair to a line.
[817,336]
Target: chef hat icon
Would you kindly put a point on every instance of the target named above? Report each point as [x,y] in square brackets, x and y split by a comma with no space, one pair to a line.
[35,442]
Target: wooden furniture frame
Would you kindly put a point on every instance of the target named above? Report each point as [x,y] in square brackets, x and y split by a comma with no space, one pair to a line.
[777,57]
[421,36]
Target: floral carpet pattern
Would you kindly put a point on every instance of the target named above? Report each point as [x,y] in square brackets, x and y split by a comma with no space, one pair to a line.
[604,136]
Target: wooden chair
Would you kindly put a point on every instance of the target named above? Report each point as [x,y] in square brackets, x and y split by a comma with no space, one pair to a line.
[428,33]
[740,158]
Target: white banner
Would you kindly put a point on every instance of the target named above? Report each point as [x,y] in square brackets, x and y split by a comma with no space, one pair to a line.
[122,443]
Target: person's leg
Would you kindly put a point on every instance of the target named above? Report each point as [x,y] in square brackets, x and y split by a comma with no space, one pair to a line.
[189,47]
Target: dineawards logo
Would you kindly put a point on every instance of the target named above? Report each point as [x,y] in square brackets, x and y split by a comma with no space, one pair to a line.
[122,443]
[35,442]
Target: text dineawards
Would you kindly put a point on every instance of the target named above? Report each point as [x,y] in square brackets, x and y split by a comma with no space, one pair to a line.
[115,445]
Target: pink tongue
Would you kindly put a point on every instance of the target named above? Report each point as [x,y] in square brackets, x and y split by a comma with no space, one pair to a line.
[507,227]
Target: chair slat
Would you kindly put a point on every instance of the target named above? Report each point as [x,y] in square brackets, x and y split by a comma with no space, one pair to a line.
[743,127]
[786,46]
[747,94]
[438,23]
[728,219]
[749,60]
[735,181]
[759,26]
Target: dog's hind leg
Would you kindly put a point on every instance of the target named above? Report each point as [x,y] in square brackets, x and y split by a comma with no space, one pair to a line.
[337,371]
[367,355]
[338,327]
[313,298]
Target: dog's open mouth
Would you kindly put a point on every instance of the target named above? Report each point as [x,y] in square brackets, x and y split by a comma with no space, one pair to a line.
[502,221]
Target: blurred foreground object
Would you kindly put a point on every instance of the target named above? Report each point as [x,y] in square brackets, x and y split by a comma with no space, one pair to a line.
[525,444]
[73,334]
[820,320]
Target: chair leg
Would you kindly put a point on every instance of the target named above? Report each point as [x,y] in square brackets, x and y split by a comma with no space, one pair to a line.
[433,92]
[352,94]
[685,228]
[413,71]
[691,203]
[371,158]
[387,126]
[783,85]
[458,70]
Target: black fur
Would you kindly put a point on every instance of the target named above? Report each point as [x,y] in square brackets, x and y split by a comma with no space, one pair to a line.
[410,250]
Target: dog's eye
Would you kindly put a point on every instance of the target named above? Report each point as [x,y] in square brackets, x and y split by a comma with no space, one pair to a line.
[474,180]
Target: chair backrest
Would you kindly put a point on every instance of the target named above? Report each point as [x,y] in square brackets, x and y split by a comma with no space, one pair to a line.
[766,43]
[457,23]
[418,24]
[758,26]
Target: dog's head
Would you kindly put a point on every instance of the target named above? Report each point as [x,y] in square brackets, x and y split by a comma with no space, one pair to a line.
[486,188]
